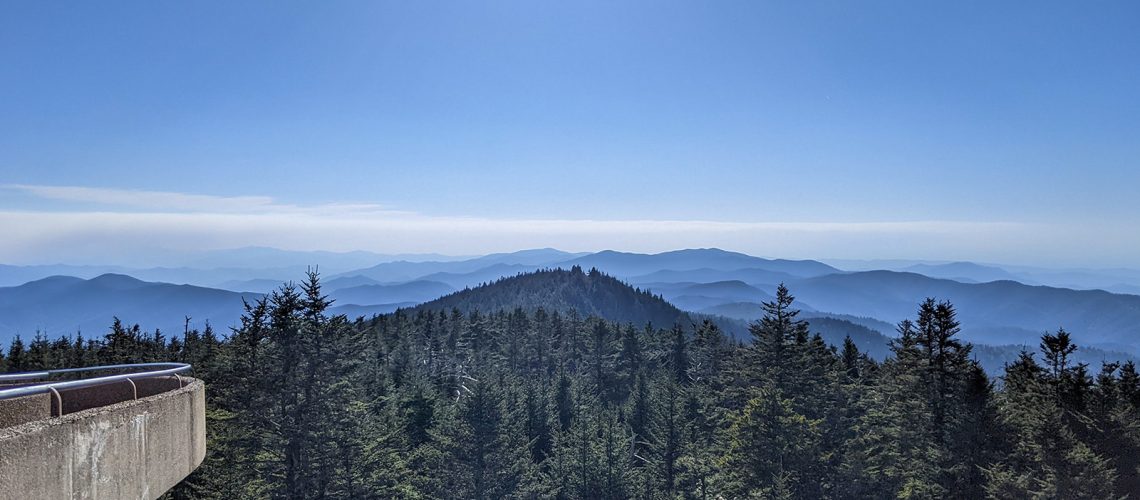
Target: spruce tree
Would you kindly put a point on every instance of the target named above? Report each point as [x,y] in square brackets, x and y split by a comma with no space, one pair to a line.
[679,355]
[769,448]
[1046,458]
[892,452]
[16,361]
[774,333]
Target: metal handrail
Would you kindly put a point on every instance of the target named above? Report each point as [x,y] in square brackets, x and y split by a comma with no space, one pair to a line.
[155,370]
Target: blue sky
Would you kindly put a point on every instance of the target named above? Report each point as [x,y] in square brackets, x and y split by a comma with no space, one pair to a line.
[957,130]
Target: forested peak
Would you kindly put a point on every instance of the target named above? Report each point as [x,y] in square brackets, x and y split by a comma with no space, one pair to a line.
[589,292]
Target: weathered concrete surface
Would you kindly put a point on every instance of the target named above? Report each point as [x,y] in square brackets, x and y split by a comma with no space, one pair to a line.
[26,409]
[132,449]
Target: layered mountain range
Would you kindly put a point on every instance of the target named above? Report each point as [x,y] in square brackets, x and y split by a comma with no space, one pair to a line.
[997,305]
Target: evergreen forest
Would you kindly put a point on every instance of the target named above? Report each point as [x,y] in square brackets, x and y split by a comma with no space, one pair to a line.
[550,400]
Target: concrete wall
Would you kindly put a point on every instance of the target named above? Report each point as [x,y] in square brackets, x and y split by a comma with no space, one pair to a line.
[131,449]
[26,409]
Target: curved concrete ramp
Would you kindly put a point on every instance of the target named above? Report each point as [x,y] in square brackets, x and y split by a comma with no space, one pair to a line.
[138,448]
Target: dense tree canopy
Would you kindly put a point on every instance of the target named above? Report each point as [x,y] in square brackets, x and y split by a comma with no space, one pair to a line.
[545,403]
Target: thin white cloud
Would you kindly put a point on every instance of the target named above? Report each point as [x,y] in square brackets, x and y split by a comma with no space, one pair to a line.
[163,221]
[167,201]
[141,201]
[154,200]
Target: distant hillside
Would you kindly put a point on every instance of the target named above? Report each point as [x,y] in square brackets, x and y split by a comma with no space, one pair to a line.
[744,311]
[535,257]
[734,289]
[263,285]
[353,311]
[635,264]
[479,276]
[592,293]
[1004,311]
[347,281]
[834,330]
[966,272]
[699,296]
[1078,278]
[508,264]
[411,292]
[63,305]
[707,275]
[1122,288]
[18,275]
[882,327]
[244,279]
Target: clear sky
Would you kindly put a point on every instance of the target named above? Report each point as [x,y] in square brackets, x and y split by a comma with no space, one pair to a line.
[994,131]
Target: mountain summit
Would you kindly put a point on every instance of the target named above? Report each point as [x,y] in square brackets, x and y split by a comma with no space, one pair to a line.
[588,293]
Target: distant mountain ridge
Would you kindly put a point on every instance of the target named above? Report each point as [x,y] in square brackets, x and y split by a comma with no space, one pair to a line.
[401,270]
[410,292]
[699,296]
[705,281]
[1009,315]
[625,265]
[1093,316]
[255,268]
[634,264]
[63,305]
[966,272]
[588,293]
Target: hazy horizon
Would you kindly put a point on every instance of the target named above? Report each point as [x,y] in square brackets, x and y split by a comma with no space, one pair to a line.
[208,258]
[86,226]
